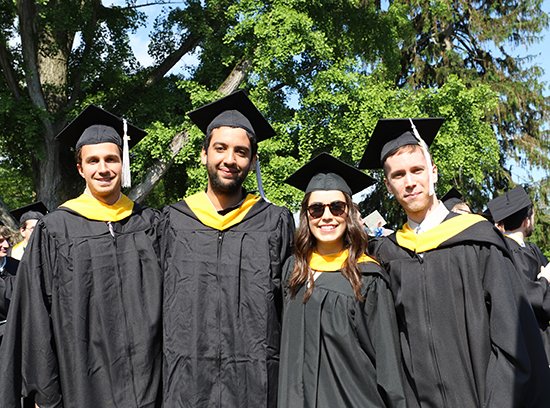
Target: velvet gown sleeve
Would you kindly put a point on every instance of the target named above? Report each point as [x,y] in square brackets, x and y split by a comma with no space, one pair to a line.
[516,375]
[379,312]
[286,230]
[7,282]
[537,290]
[27,356]
[283,245]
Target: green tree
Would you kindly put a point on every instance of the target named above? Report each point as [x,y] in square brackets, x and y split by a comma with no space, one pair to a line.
[323,72]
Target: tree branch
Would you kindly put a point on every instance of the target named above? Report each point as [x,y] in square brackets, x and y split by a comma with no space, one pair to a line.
[158,169]
[26,11]
[7,69]
[235,78]
[87,39]
[159,71]
[152,3]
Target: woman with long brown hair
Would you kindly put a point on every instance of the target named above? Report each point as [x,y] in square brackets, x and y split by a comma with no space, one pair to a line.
[339,346]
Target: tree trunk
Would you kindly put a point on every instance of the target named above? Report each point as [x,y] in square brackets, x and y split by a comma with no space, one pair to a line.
[159,169]
[53,70]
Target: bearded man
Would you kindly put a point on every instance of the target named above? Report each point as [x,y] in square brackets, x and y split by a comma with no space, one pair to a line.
[469,337]
[223,250]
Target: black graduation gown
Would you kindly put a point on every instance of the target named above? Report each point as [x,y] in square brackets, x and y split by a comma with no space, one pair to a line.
[84,326]
[469,337]
[7,280]
[222,307]
[528,260]
[337,351]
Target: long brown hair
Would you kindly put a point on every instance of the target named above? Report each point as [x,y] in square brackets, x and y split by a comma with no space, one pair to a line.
[355,240]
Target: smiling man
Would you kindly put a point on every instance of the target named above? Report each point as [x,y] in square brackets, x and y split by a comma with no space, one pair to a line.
[84,328]
[223,251]
[469,337]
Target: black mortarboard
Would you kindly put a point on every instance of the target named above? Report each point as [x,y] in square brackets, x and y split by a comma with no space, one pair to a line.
[391,134]
[451,198]
[487,215]
[509,203]
[326,172]
[234,110]
[33,211]
[95,125]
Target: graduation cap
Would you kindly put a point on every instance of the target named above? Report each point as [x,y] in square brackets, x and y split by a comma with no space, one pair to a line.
[509,203]
[235,110]
[487,215]
[451,198]
[326,172]
[391,134]
[33,211]
[95,125]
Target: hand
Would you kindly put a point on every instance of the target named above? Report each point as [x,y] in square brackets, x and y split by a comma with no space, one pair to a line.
[544,272]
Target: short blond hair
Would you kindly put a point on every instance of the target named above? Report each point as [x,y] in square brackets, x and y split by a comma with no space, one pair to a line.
[410,148]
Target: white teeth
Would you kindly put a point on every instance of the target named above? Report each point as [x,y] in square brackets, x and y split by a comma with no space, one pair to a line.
[327,227]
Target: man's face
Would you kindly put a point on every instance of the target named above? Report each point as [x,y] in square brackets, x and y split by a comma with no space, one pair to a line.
[407,178]
[530,227]
[101,167]
[29,228]
[4,246]
[228,160]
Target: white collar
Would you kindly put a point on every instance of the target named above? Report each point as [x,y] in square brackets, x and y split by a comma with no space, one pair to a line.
[516,236]
[3,261]
[433,219]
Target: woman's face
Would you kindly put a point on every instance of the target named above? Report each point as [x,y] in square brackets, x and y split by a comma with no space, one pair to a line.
[327,218]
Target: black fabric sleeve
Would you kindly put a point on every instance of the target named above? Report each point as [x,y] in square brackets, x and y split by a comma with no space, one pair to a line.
[287,271]
[7,282]
[27,355]
[538,294]
[164,237]
[280,251]
[286,230]
[538,253]
[380,317]
[6,285]
[518,373]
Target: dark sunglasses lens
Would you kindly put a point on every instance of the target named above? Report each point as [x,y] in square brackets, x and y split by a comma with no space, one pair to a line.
[316,210]
[337,208]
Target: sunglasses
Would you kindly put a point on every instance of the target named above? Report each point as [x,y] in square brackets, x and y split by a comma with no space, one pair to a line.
[337,208]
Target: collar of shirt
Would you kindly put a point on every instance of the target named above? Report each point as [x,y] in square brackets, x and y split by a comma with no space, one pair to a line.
[433,219]
[516,237]
[234,207]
